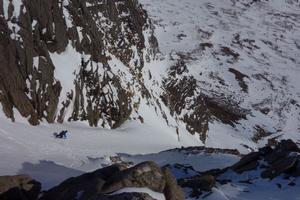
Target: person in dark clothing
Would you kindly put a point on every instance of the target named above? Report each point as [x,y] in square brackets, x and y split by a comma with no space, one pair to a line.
[61,135]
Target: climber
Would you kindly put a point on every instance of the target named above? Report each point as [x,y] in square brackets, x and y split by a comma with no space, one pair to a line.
[61,135]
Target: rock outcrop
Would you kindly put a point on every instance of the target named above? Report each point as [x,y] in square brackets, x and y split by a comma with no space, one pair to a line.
[183,97]
[146,174]
[19,187]
[279,159]
[247,163]
[84,60]
[101,183]
[172,191]
[198,184]
[88,185]
[35,33]
[186,101]
[282,158]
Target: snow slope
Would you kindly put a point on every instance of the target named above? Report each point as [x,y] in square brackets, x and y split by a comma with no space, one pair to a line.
[25,149]
[245,53]
[85,149]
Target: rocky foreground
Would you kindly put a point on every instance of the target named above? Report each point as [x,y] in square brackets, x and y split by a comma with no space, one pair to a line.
[272,161]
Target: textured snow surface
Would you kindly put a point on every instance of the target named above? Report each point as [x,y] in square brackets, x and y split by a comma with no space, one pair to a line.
[265,37]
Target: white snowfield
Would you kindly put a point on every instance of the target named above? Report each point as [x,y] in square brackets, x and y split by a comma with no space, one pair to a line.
[86,149]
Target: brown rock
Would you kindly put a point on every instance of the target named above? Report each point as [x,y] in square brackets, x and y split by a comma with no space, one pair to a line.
[279,167]
[146,174]
[204,182]
[87,185]
[99,184]
[247,167]
[288,145]
[248,162]
[177,95]
[172,191]
[19,187]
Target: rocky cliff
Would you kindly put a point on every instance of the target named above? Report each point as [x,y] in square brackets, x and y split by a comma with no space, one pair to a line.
[83,60]
[104,62]
[95,33]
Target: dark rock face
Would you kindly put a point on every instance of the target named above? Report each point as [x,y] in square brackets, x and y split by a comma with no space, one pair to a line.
[224,111]
[183,94]
[172,191]
[283,158]
[198,184]
[19,187]
[100,29]
[12,82]
[113,107]
[247,163]
[288,145]
[204,182]
[99,184]
[88,185]
[279,167]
